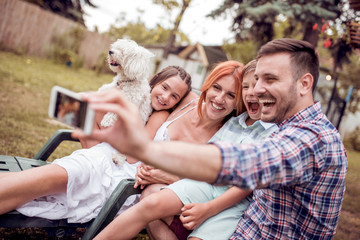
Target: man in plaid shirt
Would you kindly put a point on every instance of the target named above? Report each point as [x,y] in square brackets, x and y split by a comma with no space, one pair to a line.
[297,174]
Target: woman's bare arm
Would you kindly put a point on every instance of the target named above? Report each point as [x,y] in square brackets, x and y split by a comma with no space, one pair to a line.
[156,119]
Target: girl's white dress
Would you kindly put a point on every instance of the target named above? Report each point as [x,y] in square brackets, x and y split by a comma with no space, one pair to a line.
[92,177]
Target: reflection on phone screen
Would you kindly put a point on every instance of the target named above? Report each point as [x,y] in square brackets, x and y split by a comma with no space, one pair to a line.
[70,110]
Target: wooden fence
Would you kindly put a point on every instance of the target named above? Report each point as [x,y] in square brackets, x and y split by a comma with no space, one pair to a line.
[28,27]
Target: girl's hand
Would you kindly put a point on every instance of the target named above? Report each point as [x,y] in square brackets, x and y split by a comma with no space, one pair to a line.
[194,214]
[143,176]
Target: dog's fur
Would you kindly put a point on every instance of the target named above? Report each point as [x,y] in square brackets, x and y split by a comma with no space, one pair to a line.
[131,63]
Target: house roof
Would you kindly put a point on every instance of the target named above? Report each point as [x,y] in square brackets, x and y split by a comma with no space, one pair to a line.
[215,54]
[174,50]
[209,54]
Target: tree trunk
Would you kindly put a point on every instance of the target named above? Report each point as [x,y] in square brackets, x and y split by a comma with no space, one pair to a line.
[173,32]
[311,35]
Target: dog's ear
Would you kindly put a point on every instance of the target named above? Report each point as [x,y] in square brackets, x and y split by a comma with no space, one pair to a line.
[137,63]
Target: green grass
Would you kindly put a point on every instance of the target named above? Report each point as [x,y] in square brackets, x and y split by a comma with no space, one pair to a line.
[25,84]
[349,224]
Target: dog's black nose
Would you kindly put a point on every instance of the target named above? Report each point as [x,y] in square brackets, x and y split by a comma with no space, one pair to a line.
[111,52]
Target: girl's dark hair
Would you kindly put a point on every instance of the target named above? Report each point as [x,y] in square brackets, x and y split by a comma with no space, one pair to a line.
[171,71]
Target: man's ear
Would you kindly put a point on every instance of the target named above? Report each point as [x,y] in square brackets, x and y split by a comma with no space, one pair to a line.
[305,84]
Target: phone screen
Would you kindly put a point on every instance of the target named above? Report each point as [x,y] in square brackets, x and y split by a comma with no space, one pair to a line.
[70,110]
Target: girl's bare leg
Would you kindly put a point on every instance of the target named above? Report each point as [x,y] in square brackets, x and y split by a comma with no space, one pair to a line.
[158,229]
[18,188]
[162,231]
[132,221]
[152,188]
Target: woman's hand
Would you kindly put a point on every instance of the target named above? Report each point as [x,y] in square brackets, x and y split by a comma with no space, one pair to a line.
[160,176]
[149,175]
[194,214]
[143,177]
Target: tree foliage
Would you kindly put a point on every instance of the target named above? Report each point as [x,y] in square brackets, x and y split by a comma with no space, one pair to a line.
[71,9]
[169,6]
[243,52]
[158,35]
[255,19]
[138,32]
[350,77]
[64,48]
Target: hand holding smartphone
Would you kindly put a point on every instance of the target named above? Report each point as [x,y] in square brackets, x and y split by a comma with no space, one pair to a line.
[67,107]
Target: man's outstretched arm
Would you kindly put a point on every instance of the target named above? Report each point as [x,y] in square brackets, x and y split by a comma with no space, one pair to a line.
[195,161]
[128,136]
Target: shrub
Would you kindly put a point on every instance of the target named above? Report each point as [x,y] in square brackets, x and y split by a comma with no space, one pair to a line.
[64,48]
[353,139]
[102,65]
[244,51]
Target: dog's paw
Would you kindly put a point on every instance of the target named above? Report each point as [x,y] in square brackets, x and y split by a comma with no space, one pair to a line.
[118,158]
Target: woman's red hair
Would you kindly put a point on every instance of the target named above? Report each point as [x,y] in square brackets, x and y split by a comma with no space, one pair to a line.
[221,70]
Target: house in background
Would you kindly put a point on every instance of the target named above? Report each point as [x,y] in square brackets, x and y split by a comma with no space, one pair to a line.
[198,60]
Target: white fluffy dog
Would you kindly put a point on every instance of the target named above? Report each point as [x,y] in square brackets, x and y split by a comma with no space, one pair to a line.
[131,63]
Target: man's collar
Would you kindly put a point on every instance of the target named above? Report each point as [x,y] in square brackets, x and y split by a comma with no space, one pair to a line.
[242,121]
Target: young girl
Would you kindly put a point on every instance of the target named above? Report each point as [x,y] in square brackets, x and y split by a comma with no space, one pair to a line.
[77,186]
[220,99]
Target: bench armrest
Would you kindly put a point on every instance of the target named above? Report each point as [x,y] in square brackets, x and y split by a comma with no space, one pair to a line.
[53,143]
[124,189]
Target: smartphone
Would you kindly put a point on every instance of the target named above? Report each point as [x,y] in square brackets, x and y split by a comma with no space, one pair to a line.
[67,107]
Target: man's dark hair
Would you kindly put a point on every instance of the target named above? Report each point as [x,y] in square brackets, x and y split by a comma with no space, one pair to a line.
[303,57]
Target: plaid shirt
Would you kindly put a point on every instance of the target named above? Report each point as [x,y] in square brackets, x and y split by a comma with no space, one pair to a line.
[299,173]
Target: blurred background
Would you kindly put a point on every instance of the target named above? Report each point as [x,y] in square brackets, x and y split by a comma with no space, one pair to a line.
[65,42]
